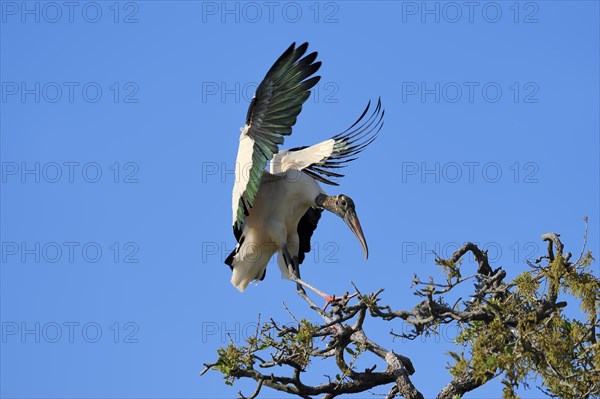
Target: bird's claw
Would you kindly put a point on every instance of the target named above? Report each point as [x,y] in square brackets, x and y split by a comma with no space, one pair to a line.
[329,299]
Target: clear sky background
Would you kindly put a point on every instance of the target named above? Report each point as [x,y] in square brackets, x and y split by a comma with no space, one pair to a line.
[119,130]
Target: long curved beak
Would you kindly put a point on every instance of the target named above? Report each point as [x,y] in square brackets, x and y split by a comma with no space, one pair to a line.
[352,221]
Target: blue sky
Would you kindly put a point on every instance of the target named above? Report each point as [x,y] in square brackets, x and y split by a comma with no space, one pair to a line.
[119,130]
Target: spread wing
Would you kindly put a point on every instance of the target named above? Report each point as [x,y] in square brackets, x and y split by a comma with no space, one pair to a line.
[272,113]
[322,161]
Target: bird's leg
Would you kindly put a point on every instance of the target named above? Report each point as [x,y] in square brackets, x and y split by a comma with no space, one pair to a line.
[294,269]
[296,272]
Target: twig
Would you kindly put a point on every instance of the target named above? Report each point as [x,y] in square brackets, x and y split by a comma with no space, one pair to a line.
[256,391]
[585,235]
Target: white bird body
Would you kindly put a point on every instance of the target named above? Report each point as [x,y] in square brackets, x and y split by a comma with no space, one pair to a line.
[280,203]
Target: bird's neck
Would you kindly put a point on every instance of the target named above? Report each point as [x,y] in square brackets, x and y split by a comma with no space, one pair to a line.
[325,201]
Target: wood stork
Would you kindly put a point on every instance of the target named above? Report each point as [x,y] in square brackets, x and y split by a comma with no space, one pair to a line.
[277,211]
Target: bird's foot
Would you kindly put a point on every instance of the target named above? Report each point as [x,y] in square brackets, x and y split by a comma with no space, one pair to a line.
[329,299]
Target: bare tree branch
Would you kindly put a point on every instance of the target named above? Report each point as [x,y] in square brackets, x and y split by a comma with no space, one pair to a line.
[509,329]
